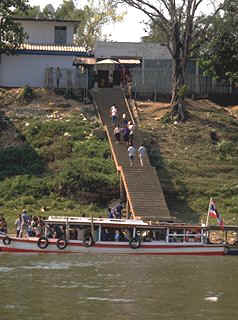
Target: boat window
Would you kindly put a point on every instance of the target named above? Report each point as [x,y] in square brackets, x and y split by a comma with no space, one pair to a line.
[231,237]
[185,235]
[160,235]
[176,235]
[114,234]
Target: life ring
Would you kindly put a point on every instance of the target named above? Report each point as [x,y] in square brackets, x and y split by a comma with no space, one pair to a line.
[88,240]
[42,242]
[61,244]
[135,242]
[6,241]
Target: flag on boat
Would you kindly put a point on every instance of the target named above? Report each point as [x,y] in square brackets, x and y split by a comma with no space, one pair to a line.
[212,211]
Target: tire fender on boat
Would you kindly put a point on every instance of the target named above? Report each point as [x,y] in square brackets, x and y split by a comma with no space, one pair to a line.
[61,244]
[6,241]
[88,240]
[135,242]
[42,242]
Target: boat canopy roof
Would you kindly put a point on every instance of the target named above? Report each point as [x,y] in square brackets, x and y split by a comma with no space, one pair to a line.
[88,220]
[106,222]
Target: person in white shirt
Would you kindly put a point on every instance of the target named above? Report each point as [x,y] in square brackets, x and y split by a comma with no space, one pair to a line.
[141,152]
[131,154]
[114,114]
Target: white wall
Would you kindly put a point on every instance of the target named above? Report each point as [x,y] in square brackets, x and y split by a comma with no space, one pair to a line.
[44,31]
[131,49]
[21,70]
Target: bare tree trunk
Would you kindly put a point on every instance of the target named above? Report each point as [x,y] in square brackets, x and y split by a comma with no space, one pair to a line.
[178,63]
[178,77]
[178,81]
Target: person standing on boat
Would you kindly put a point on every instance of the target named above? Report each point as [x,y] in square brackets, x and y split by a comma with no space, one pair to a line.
[18,225]
[119,209]
[110,213]
[24,223]
[3,225]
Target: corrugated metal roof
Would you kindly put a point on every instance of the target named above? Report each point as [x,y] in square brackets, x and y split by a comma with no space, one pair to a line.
[45,20]
[53,49]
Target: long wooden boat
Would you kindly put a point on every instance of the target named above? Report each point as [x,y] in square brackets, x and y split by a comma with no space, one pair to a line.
[115,236]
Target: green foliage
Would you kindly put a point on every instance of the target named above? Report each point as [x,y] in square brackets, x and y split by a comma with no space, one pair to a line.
[86,175]
[19,160]
[61,159]
[219,54]
[26,94]
[96,14]
[182,91]
[11,33]
[226,150]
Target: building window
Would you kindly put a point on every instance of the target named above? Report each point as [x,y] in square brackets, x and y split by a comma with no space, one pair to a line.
[60,35]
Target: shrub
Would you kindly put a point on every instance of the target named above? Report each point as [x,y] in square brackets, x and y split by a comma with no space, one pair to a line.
[26,94]
[226,149]
[20,160]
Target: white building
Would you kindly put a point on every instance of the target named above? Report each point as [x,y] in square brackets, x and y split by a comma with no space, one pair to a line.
[145,50]
[49,44]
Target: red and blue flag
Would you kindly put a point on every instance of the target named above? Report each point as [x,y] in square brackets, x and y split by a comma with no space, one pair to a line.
[214,213]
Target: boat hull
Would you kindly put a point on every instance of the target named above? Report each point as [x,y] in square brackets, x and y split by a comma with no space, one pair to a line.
[29,245]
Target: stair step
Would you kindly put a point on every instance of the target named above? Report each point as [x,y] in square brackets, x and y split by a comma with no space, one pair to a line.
[143,184]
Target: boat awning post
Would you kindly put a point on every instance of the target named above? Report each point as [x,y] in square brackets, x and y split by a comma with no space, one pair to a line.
[99,232]
[67,235]
[134,232]
[92,228]
[167,235]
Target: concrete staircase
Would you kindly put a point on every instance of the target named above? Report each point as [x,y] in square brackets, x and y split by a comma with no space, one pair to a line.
[143,190]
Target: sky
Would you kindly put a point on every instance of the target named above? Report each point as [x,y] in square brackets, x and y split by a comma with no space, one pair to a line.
[131,30]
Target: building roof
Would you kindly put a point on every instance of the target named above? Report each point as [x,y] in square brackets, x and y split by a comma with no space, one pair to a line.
[53,49]
[45,20]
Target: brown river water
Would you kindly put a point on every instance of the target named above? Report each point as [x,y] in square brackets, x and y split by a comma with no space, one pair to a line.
[107,287]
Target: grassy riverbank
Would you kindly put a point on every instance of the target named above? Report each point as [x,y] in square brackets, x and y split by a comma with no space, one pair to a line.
[195,160]
[55,158]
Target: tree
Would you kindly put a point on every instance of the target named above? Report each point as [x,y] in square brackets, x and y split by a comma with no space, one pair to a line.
[68,10]
[178,21]
[49,11]
[219,54]
[155,33]
[96,15]
[32,12]
[11,32]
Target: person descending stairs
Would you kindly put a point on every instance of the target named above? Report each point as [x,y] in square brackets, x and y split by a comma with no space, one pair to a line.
[144,194]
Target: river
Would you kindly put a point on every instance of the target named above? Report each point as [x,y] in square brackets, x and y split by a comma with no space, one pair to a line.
[107,287]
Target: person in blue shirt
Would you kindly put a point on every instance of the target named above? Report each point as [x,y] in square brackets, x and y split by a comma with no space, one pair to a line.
[110,213]
[119,209]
